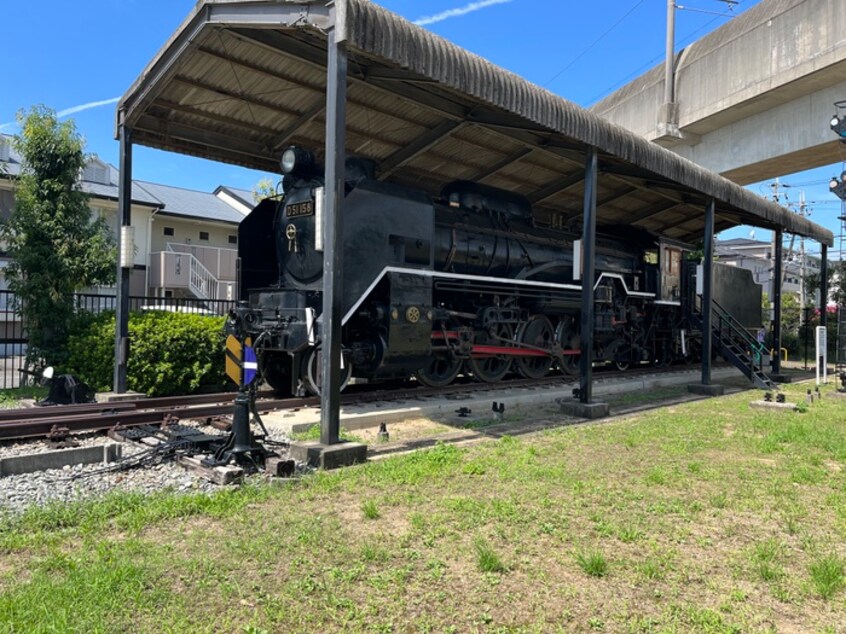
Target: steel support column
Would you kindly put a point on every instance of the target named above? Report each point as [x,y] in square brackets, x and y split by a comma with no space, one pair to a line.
[122,303]
[823,285]
[588,273]
[330,332]
[707,291]
[777,257]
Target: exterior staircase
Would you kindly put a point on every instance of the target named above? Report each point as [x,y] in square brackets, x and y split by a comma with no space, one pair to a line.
[735,344]
[201,282]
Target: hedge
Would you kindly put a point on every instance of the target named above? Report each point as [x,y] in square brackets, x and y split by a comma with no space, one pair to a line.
[169,353]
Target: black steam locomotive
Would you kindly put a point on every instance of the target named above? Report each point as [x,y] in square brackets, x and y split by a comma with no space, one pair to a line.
[463,283]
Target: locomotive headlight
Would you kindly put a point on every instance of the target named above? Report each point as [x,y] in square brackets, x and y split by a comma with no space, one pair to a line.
[394,314]
[289,160]
[297,161]
[835,121]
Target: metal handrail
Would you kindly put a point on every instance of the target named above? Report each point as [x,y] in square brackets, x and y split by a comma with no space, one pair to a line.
[738,334]
[201,281]
[728,328]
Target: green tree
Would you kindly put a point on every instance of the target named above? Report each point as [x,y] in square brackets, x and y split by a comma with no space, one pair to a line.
[263,189]
[54,247]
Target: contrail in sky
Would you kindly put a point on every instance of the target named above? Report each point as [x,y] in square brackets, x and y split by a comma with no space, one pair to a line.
[454,13]
[86,106]
[8,127]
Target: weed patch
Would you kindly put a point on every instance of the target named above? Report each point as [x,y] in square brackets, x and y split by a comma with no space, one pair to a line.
[827,575]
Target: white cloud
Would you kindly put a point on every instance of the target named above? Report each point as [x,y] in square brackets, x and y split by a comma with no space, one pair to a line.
[12,126]
[86,106]
[459,11]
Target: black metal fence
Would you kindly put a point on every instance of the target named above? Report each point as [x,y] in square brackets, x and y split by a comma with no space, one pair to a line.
[13,340]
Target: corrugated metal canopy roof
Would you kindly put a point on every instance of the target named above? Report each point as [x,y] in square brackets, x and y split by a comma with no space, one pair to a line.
[242,79]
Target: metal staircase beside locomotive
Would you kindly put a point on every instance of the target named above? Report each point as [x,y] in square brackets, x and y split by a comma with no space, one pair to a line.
[734,343]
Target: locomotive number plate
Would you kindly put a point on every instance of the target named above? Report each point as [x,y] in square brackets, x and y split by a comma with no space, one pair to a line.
[296,210]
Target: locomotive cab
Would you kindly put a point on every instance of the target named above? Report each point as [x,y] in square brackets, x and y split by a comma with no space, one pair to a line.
[670,260]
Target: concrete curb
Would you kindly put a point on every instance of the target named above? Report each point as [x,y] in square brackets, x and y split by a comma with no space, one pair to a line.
[16,465]
[363,416]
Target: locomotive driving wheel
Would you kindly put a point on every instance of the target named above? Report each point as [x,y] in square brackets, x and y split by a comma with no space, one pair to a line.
[621,355]
[312,371]
[276,370]
[492,368]
[441,371]
[567,334]
[537,332]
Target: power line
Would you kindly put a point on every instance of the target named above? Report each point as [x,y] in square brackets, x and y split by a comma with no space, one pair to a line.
[595,42]
[823,181]
[694,10]
[682,42]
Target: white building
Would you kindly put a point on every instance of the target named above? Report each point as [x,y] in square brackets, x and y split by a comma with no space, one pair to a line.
[186,241]
[757,256]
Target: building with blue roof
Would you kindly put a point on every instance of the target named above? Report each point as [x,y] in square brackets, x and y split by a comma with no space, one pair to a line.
[186,241]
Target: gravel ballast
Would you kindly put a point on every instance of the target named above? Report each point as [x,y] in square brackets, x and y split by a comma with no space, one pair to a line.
[82,482]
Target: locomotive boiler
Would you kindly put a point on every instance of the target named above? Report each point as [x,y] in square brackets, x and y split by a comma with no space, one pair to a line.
[463,282]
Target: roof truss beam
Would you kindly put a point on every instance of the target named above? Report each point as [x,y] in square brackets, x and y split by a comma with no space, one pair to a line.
[243,15]
[620,193]
[503,163]
[191,134]
[274,42]
[416,147]
[213,116]
[318,88]
[281,139]
[652,211]
[225,93]
[556,186]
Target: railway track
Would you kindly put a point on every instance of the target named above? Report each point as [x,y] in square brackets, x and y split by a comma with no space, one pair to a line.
[41,421]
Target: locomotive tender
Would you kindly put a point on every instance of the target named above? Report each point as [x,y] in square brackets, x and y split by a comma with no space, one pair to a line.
[465,282]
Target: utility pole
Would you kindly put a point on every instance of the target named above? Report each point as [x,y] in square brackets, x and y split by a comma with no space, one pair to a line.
[668,115]
[667,126]
[669,55]
[773,281]
[802,298]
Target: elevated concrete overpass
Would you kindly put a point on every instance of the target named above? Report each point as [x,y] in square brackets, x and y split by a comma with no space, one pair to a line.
[754,98]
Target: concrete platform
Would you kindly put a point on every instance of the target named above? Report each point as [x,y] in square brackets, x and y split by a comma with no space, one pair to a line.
[444,407]
[773,405]
[706,390]
[316,454]
[113,397]
[781,378]
[584,410]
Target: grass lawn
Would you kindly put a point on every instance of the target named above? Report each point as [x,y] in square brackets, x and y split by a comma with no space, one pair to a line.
[12,398]
[699,517]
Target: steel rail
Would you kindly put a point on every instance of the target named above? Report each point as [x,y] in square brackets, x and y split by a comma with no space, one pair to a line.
[21,424]
[87,422]
[50,411]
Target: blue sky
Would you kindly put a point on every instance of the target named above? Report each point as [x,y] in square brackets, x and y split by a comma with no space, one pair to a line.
[70,54]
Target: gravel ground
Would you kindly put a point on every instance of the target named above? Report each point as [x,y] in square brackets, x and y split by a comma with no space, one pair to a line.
[18,492]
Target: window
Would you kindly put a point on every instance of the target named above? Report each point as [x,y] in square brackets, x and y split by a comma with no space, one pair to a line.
[96,171]
[7,203]
[233,239]
[168,231]
[204,235]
